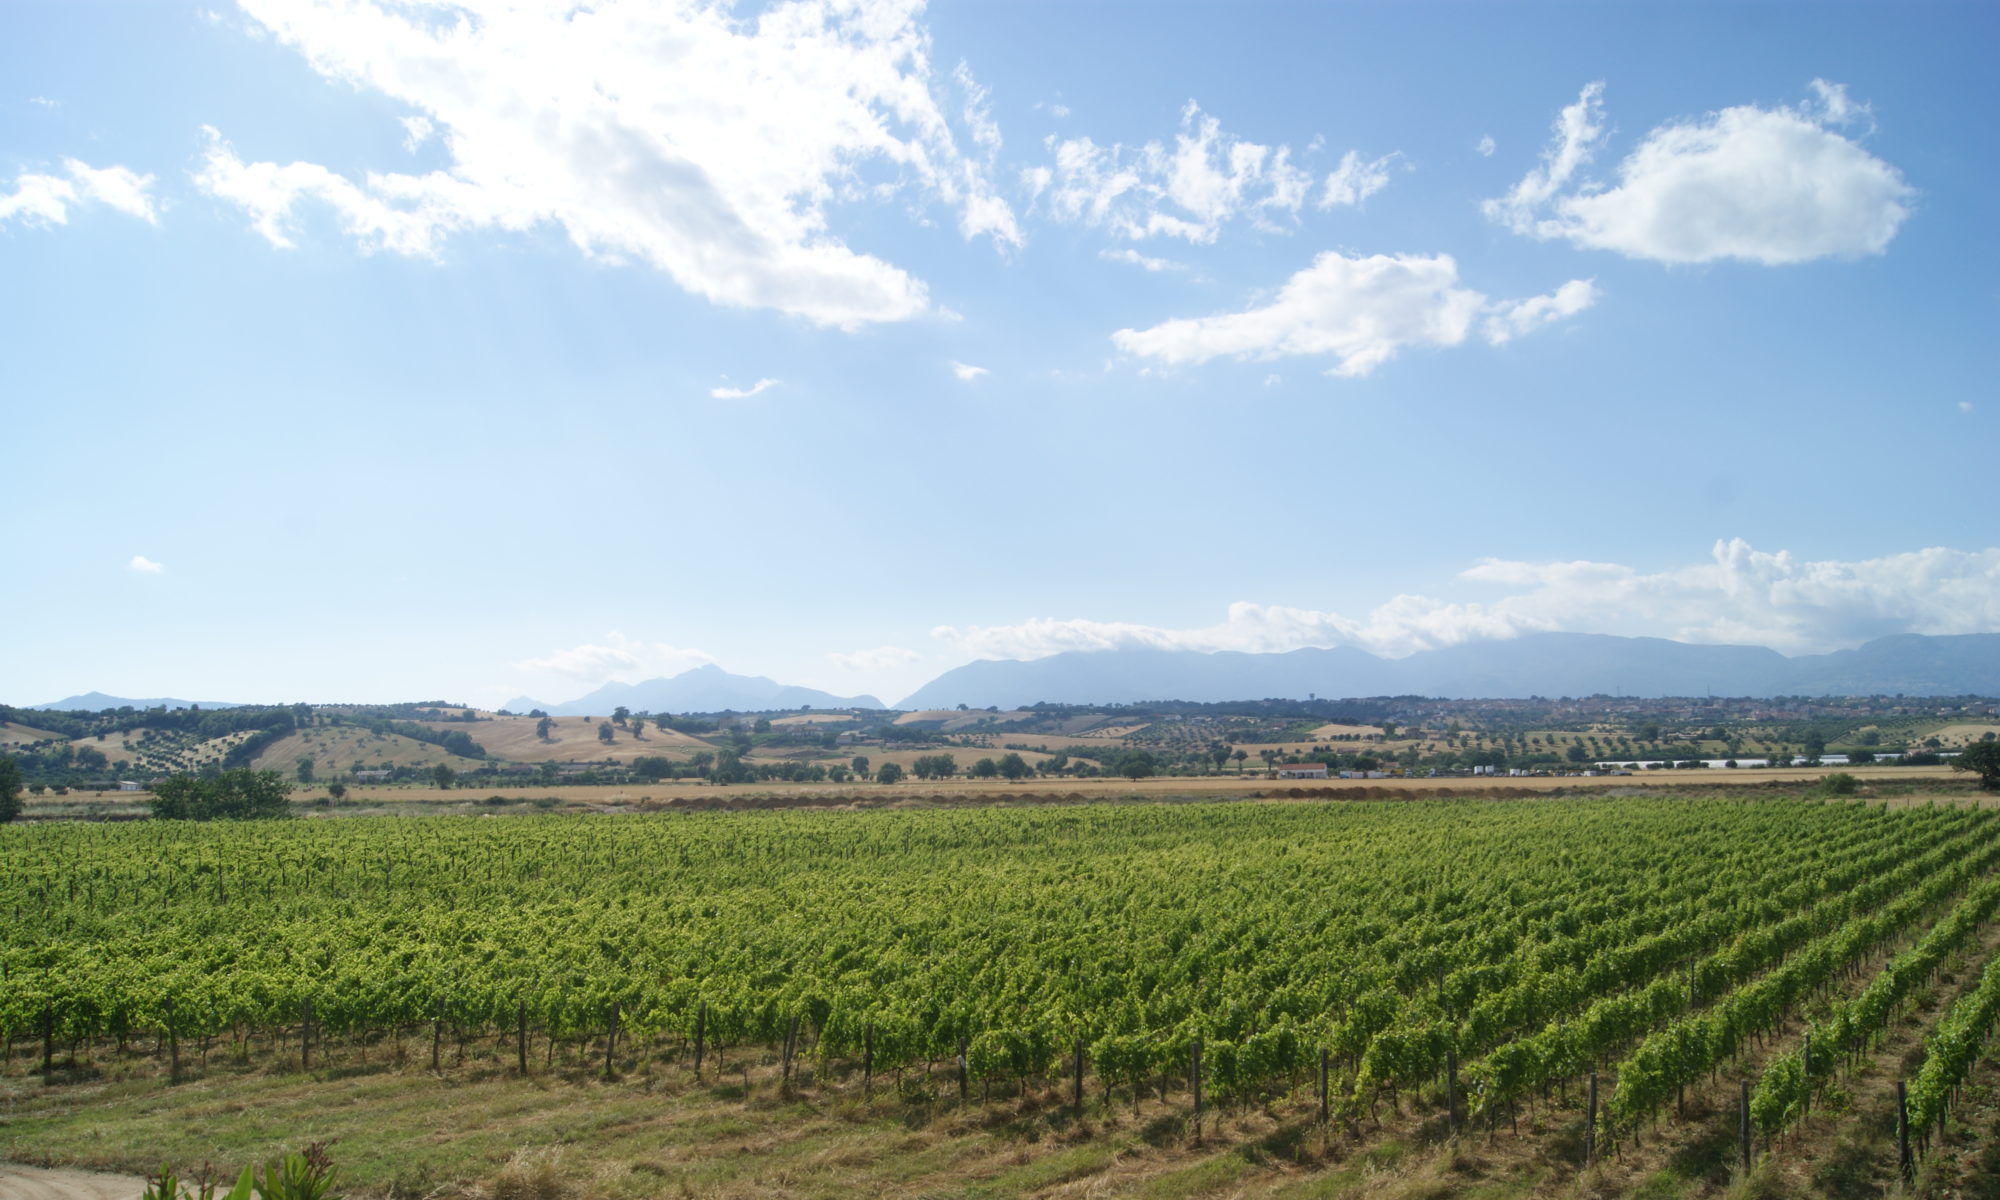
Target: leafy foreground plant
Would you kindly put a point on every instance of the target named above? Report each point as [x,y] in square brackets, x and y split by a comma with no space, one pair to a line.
[304,1176]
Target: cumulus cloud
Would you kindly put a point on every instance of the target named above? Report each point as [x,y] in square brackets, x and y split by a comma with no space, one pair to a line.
[1486,146]
[725,392]
[1764,185]
[966,372]
[142,565]
[1361,311]
[42,199]
[416,131]
[1189,189]
[618,657]
[881,658]
[1354,181]
[709,146]
[1740,595]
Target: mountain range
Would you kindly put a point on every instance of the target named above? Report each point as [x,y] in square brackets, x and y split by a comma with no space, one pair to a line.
[1543,664]
[98,702]
[704,689]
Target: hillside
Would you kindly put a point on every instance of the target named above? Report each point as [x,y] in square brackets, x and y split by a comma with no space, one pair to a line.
[571,738]
[339,749]
[706,689]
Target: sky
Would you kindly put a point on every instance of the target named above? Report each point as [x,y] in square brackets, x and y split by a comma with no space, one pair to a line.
[373,350]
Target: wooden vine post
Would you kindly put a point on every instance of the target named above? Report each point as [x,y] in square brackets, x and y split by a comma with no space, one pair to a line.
[1590,1124]
[610,1042]
[1743,1121]
[1904,1163]
[700,1033]
[521,1035]
[1194,1081]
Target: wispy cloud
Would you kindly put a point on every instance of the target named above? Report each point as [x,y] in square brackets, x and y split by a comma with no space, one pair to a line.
[1359,311]
[142,565]
[1145,262]
[617,657]
[726,392]
[1486,146]
[881,658]
[966,372]
[1741,595]
[43,199]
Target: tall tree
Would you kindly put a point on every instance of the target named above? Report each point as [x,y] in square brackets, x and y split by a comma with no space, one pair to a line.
[10,788]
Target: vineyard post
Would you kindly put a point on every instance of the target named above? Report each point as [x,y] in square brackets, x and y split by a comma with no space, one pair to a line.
[868,1061]
[1451,1090]
[1805,1093]
[437,1032]
[611,1041]
[1743,1121]
[49,1033]
[521,1034]
[1903,1161]
[963,1070]
[1194,1082]
[1076,1091]
[700,1032]
[173,1042]
[1322,1086]
[791,1046]
[1590,1124]
[305,1034]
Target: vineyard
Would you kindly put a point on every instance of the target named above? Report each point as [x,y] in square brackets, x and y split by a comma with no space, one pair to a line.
[1582,963]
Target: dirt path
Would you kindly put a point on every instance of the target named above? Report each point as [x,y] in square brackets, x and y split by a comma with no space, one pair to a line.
[50,1183]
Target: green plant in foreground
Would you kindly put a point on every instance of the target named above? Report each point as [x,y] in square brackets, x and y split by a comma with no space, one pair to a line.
[304,1176]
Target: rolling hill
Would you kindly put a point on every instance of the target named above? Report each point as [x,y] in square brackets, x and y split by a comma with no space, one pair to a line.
[705,689]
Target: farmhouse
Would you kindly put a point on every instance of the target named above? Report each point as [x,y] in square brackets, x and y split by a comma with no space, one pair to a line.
[1311,770]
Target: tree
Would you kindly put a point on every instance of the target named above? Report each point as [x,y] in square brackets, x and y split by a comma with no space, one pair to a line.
[443,776]
[619,714]
[1576,753]
[652,767]
[1239,756]
[10,788]
[1014,767]
[860,764]
[543,726]
[1134,764]
[1814,745]
[890,773]
[1220,754]
[985,768]
[337,790]
[604,733]
[1984,757]
[305,771]
[227,795]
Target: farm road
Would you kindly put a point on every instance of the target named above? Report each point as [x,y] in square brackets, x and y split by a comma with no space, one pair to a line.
[44,1183]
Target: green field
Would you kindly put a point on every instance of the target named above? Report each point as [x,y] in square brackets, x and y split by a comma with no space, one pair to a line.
[1495,951]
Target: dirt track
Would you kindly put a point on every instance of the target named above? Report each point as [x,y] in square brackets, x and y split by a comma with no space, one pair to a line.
[46,1183]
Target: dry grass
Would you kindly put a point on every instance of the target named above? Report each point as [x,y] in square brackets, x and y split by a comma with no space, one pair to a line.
[12,734]
[335,750]
[570,738]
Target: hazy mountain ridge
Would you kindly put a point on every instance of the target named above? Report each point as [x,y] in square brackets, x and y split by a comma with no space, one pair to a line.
[98,702]
[702,689]
[1543,664]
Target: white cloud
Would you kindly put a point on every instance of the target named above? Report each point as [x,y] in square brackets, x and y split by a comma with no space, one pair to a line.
[1965,406]
[1125,254]
[416,131]
[618,657]
[725,392]
[1486,146]
[1765,185]
[47,199]
[43,102]
[1190,189]
[1510,319]
[1354,181]
[1273,379]
[966,372]
[709,146]
[1741,595]
[142,565]
[881,658]
[1359,310]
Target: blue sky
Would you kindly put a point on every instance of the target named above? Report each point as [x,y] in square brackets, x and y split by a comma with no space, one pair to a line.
[367,350]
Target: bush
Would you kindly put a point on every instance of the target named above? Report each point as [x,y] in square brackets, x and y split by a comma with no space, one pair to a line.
[1840,783]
